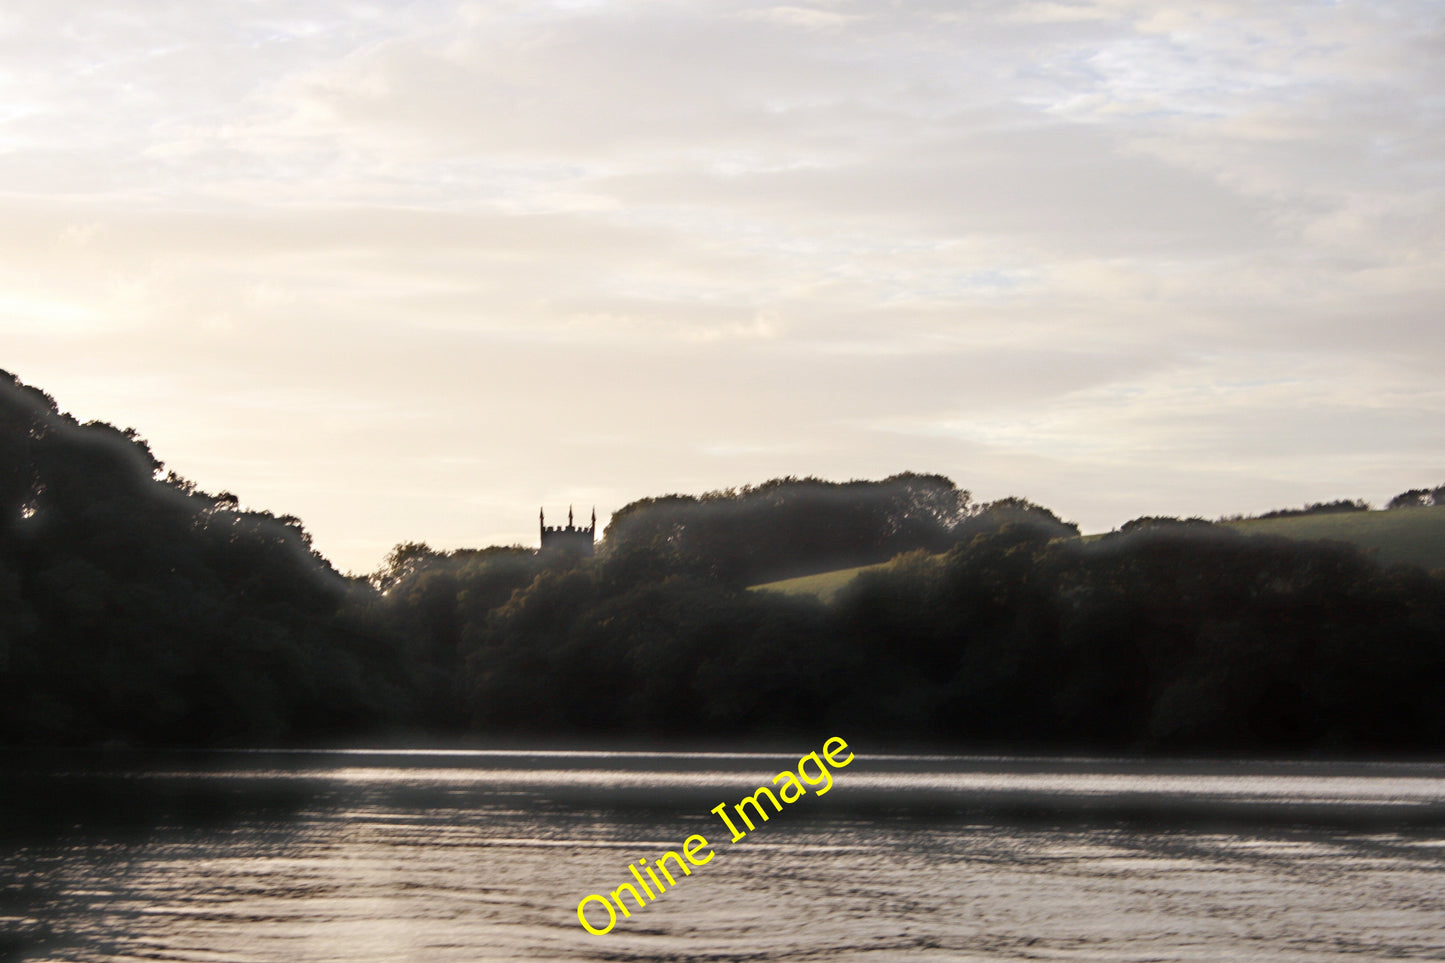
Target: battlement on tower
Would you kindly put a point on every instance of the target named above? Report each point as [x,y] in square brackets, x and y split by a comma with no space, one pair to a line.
[569,538]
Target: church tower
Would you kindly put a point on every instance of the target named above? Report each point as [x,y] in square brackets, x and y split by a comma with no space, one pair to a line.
[573,539]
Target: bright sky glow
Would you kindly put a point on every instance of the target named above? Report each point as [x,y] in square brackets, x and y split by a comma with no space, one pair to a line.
[409,271]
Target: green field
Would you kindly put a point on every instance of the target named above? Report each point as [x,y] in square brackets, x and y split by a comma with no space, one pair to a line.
[824,585]
[1413,536]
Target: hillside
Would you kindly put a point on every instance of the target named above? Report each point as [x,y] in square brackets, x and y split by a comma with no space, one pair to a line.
[137,610]
[1410,536]
[824,585]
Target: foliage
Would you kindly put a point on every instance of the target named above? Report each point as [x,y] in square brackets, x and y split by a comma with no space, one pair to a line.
[1321,508]
[1419,498]
[1166,638]
[790,526]
[135,608]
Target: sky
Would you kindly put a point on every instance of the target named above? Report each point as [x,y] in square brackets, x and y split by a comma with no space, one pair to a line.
[412,270]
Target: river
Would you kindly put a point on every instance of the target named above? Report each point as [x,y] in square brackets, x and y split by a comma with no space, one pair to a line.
[294,857]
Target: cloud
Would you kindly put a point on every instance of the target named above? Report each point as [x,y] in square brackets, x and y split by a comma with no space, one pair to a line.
[407,270]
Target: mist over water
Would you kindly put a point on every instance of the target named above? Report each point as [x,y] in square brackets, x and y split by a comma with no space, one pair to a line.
[375,856]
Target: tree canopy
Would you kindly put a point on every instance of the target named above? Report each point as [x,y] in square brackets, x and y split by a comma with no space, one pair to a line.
[792,526]
[137,609]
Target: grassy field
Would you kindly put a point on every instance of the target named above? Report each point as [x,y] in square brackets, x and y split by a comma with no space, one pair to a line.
[1414,536]
[824,585]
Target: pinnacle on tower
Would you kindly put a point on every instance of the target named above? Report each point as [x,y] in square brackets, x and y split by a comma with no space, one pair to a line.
[571,538]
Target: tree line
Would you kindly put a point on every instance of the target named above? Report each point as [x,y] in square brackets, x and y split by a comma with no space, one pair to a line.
[1414,498]
[137,610]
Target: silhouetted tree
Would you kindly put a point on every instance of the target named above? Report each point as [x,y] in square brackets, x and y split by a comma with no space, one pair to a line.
[790,526]
[1321,508]
[135,608]
[1419,498]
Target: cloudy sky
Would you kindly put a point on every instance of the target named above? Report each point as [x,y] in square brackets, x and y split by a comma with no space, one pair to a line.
[411,270]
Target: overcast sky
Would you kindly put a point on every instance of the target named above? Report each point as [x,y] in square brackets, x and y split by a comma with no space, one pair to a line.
[412,270]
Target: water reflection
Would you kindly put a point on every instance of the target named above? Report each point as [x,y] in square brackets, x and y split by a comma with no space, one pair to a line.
[364,856]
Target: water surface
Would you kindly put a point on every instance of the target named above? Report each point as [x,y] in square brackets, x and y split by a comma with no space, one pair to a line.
[480,856]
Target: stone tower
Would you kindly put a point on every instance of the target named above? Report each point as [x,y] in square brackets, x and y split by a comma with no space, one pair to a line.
[573,538]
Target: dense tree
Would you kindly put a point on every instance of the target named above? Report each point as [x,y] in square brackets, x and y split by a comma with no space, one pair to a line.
[136,608]
[791,526]
[1172,636]
[1321,508]
[1419,498]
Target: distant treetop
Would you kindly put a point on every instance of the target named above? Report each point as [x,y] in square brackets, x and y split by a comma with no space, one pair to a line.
[1419,498]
